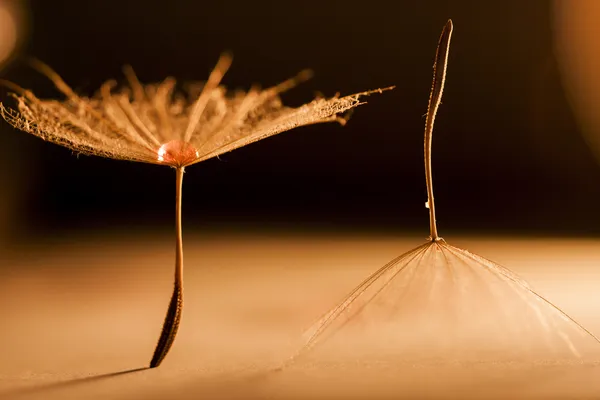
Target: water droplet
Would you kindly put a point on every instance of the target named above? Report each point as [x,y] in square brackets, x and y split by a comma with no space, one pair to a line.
[177,153]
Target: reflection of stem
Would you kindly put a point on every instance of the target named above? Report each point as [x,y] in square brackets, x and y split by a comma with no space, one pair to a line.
[439,77]
[173,317]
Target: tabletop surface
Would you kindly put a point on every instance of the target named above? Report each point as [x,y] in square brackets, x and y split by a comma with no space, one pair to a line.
[81,316]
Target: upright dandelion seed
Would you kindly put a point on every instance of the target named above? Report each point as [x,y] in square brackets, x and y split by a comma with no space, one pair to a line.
[157,124]
[438,302]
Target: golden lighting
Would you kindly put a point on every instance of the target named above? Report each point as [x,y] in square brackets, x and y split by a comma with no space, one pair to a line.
[149,123]
[441,304]
[576,32]
[8,31]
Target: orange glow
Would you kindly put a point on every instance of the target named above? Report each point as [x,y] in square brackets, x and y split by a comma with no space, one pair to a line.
[249,298]
[8,31]
[177,153]
[576,43]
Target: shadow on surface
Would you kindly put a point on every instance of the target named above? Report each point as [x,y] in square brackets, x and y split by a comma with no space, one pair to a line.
[65,384]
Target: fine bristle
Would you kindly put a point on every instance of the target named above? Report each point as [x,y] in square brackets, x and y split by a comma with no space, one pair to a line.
[134,121]
[441,303]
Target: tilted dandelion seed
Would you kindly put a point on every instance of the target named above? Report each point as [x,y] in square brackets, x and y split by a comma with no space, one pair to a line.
[441,302]
[157,124]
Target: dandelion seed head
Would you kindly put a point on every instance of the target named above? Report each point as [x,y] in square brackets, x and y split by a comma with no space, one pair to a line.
[440,302]
[160,124]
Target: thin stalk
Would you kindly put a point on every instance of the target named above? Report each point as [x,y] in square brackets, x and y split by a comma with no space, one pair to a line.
[173,317]
[435,97]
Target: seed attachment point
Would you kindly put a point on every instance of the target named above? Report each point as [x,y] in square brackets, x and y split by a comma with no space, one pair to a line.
[177,153]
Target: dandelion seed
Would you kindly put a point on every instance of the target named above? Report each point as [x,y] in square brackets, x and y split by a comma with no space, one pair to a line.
[441,302]
[156,124]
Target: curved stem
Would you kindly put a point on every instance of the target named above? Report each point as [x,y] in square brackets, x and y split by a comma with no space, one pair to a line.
[173,317]
[437,87]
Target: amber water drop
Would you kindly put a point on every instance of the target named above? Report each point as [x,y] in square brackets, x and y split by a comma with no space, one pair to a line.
[177,153]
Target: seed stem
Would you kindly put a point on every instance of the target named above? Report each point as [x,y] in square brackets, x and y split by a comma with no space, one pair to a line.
[435,97]
[173,317]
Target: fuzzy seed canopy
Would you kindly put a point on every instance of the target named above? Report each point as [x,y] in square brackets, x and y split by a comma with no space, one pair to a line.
[159,124]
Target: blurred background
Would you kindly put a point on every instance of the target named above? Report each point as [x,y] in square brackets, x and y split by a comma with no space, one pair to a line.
[516,146]
[277,232]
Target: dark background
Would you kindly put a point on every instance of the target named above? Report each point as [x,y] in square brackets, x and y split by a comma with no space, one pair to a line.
[508,156]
